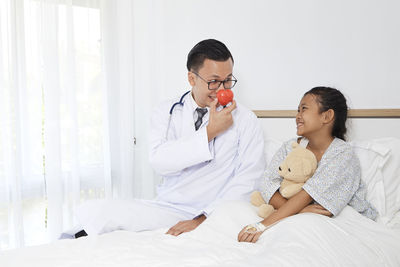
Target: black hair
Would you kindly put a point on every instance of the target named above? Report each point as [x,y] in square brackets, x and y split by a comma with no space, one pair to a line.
[331,98]
[207,49]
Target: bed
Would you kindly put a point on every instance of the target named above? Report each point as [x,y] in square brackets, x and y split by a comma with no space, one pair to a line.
[301,240]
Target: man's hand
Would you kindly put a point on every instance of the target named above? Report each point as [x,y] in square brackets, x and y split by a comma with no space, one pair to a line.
[316,208]
[186,226]
[219,121]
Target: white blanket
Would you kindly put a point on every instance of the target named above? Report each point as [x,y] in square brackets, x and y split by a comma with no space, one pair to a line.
[302,240]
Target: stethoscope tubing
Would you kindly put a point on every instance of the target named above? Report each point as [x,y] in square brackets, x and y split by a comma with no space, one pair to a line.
[180,102]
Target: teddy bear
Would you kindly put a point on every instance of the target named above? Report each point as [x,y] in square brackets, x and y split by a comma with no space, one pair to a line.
[298,166]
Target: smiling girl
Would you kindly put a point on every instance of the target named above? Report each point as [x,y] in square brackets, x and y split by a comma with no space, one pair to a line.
[321,125]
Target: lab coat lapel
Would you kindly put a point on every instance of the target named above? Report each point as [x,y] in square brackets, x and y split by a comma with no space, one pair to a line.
[187,117]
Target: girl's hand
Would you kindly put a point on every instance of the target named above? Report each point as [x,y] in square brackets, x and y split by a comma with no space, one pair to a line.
[316,208]
[251,232]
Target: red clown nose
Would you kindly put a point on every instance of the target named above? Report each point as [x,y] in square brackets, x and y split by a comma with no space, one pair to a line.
[224,96]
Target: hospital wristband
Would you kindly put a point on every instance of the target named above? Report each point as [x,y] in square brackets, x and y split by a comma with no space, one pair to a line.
[256,227]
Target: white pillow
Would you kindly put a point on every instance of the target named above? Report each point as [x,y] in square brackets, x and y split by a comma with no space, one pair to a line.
[271,146]
[391,175]
[395,221]
[372,158]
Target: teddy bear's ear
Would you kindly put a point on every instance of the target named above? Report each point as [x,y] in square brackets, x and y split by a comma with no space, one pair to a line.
[294,145]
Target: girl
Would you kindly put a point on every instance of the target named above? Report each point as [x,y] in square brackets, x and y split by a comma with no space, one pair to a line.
[321,123]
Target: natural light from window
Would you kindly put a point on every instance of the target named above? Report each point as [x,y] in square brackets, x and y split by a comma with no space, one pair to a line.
[81,115]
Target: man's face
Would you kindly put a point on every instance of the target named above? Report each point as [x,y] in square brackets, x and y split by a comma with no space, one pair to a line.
[210,71]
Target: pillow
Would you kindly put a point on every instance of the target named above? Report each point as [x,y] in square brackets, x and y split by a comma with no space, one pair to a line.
[391,175]
[271,146]
[395,221]
[372,158]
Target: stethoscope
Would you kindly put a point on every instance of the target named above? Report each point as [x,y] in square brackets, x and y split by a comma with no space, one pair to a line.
[179,103]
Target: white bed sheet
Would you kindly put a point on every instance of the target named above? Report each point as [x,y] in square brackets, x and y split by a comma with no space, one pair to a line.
[302,240]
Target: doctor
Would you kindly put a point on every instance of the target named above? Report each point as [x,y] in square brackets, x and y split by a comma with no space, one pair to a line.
[205,154]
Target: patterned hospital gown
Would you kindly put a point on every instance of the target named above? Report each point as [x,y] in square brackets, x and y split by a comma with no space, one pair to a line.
[336,182]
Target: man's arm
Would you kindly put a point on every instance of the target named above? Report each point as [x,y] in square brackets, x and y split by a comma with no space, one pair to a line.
[186,226]
[169,156]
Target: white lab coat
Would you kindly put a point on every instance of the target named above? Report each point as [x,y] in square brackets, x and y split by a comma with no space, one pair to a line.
[197,174]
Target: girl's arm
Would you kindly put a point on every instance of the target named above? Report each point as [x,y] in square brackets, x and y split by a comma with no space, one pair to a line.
[277,200]
[292,206]
[316,208]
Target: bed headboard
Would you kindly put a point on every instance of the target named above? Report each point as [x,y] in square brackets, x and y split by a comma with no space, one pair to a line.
[362,123]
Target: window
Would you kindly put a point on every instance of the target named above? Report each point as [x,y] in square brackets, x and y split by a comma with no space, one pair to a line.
[51,116]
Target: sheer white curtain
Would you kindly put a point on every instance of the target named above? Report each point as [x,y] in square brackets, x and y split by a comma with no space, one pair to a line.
[118,61]
[77,86]
[132,46]
[54,132]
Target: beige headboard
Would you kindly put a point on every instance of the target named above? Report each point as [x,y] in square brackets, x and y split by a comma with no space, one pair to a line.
[353,113]
[362,123]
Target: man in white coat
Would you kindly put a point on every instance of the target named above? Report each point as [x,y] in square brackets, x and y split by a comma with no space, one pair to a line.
[218,159]
[205,153]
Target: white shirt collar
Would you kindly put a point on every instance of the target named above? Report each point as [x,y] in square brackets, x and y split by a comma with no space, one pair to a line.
[194,105]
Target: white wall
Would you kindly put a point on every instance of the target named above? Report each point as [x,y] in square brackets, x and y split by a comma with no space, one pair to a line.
[282,48]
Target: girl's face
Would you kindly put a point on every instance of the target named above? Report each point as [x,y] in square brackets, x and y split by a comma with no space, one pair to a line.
[309,120]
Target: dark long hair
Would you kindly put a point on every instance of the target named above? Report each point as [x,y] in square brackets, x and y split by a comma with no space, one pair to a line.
[207,49]
[331,98]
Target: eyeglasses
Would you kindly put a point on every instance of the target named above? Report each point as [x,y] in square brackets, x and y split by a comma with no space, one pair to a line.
[215,84]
